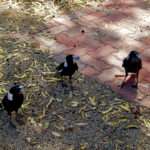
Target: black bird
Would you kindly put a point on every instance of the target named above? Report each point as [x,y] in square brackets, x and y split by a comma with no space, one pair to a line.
[13,100]
[132,64]
[69,67]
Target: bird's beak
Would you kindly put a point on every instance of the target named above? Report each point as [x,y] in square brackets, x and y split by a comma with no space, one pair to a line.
[76,58]
[21,88]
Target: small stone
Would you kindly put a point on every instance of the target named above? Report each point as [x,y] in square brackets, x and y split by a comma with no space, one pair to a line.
[82,31]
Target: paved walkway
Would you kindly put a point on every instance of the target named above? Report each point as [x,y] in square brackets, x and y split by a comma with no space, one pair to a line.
[111,30]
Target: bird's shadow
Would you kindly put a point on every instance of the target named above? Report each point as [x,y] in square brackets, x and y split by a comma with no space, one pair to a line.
[130,82]
[64,87]
[6,127]
[127,88]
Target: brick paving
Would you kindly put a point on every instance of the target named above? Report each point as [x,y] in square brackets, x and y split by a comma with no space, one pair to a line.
[112,29]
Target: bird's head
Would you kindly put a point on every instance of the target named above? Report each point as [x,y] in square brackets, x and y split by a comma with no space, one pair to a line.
[71,58]
[16,89]
[133,53]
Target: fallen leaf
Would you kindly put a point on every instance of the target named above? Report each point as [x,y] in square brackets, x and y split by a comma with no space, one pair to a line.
[146,122]
[61,128]
[2,90]
[60,117]
[83,114]
[132,126]
[107,111]
[46,125]
[83,146]
[56,134]
[59,100]
[93,100]
[82,108]
[50,102]
[125,107]
[20,76]
[28,139]
[74,103]
[81,124]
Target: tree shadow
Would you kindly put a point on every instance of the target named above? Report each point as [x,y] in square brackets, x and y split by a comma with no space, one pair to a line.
[40,61]
[127,4]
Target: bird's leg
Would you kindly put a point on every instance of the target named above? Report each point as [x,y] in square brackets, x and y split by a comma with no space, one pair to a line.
[70,78]
[12,120]
[62,82]
[9,117]
[70,82]
[137,80]
[124,80]
[17,116]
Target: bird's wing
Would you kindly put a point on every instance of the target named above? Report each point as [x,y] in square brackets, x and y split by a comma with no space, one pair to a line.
[60,67]
[124,64]
[136,62]
[18,100]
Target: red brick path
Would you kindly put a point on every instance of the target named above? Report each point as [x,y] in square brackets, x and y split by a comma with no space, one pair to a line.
[112,29]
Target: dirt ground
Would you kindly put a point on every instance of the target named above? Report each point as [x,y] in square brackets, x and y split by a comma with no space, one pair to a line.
[89,117]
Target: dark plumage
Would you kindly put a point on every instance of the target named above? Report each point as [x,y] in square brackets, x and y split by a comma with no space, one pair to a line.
[132,64]
[67,68]
[13,100]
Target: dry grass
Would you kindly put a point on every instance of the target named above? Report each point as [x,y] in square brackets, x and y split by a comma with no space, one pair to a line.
[55,118]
